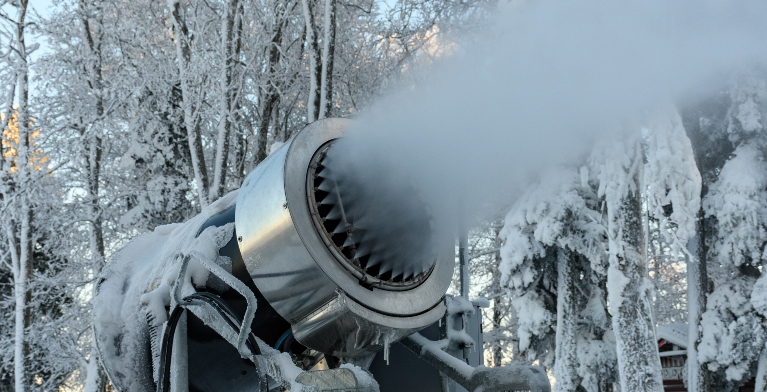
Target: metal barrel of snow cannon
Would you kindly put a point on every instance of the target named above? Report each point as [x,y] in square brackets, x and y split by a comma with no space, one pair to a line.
[325,262]
[311,258]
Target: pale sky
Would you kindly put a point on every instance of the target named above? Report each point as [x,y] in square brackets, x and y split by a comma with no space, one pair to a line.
[41,6]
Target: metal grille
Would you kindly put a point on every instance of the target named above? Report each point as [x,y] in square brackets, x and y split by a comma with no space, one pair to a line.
[370,229]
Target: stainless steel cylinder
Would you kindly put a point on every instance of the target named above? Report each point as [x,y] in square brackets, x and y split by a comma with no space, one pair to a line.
[336,303]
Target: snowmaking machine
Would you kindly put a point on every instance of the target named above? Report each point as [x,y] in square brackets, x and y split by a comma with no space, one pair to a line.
[308,278]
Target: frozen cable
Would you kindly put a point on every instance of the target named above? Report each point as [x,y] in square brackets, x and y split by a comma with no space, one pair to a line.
[238,286]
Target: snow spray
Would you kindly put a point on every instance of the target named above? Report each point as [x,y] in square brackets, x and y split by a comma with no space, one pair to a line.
[548,80]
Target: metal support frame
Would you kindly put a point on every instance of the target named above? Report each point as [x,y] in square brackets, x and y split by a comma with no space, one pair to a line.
[505,378]
[463,262]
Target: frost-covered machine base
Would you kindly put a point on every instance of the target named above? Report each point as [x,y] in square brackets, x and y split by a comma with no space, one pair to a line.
[294,282]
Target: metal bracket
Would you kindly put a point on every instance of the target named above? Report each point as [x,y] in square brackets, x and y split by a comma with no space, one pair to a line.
[505,378]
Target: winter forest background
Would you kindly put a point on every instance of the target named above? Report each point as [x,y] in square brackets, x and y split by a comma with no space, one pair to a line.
[119,116]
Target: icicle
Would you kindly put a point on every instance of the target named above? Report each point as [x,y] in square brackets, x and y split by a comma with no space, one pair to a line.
[387,341]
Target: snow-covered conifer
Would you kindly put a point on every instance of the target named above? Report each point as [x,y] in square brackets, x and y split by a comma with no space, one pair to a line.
[628,286]
[554,266]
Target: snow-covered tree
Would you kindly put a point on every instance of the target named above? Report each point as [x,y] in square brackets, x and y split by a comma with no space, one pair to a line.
[554,266]
[586,229]
[673,186]
[150,110]
[17,189]
[483,255]
[733,334]
[41,334]
[705,124]
[729,137]
[620,173]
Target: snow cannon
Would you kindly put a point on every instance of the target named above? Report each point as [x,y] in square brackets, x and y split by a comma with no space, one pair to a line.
[350,264]
[293,282]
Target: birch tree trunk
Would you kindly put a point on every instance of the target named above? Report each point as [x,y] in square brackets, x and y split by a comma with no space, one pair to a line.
[711,149]
[22,265]
[184,55]
[94,147]
[96,379]
[328,52]
[565,367]
[497,301]
[605,384]
[21,279]
[315,68]
[5,115]
[246,128]
[5,181]
[638,360]
[697,289]
[761,372]
[496,320]
[271,97]
[6,187]
[231,54]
